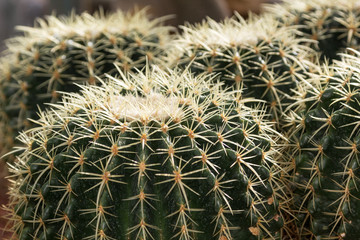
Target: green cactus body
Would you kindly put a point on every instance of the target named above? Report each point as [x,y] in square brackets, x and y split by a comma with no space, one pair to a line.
[326,154]
[50,58]
[169,157]
[258,55]
[334,25]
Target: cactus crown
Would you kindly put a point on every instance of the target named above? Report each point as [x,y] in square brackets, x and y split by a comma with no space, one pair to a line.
[50,57]
[332,25]
[129,37]
[258,56]
[234,31]
[157,155]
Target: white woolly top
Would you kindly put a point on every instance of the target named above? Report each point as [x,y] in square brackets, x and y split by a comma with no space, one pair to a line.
[152,106]
[233,31]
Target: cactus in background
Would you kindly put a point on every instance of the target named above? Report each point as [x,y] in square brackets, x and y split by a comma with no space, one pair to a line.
[59,52]
[334,25]
[325,151]
[154,156]
[265,59]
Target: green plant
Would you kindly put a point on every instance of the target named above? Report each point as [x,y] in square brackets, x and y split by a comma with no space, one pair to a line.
[333,25]
[325,153]
[59,53]
[159,155]
[258,56]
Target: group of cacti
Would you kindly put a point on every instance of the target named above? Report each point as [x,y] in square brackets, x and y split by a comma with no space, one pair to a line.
[233,130]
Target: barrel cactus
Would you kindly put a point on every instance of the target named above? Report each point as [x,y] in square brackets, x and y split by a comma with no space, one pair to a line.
[159,155]
[58,53]
[257,55]
[333,25]
[325,152]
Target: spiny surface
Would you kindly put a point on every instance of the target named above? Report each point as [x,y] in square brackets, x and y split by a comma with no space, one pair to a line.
[333,25]
[325,152]
[59,52]
[256,55]
[156,156]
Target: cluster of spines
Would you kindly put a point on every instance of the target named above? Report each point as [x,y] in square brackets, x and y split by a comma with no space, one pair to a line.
[59,52]
[257,55]
[200,164]
[325,152]
[332,26]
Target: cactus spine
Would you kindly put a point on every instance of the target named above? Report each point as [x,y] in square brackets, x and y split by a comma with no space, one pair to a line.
[59,52]
[157,156]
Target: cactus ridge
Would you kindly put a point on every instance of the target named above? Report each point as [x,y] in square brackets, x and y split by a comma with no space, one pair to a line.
[58,52]
[257,55]
[332,25]
[325,152]
[159,155]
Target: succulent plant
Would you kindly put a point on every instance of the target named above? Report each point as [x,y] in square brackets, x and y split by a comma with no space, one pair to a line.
[158,155]
[59,53]
[325,153]
[257,55]
[333,25]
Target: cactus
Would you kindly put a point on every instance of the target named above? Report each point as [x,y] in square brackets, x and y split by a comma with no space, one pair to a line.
[325,153]
[265,59]
[333,25]
[59,52]
[158,155]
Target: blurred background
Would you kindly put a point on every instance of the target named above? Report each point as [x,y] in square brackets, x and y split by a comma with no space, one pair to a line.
[23,12]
